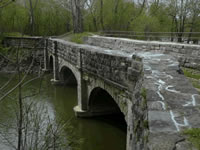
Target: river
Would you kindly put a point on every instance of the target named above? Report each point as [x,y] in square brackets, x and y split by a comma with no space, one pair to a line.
[101,133]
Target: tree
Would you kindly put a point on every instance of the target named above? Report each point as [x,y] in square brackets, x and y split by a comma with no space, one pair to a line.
[179,10]
[31,6]
[77,16]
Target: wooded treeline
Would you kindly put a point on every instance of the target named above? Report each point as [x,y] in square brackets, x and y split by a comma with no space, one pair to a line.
[54,17]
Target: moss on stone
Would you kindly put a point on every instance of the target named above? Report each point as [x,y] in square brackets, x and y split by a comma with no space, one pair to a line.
[144,93]
[193,135]
[146,124]
[146,138]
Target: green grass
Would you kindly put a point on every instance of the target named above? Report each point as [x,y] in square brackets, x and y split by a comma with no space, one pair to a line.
[78,38]
[191,73]
[193,135]
[196,84]
[15,34]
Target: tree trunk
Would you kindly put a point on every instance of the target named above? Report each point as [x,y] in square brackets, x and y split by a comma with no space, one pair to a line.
[31,18]
[101,15]
[77,16]
[20,121]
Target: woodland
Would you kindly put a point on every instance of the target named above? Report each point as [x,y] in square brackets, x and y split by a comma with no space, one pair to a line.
[56,17]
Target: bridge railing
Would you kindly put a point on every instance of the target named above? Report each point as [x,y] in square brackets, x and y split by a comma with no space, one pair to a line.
[183,37]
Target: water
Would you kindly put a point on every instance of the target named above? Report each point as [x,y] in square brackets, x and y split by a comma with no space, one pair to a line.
[104,133]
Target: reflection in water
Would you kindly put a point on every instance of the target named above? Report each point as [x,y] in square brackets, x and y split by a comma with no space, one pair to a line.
[102,133]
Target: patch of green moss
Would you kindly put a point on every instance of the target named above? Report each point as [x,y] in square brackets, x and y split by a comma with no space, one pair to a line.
[144,93]
[146,138]
[78,38]
[146,124]
[193,135]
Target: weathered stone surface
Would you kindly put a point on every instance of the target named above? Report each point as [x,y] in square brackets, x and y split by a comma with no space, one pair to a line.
[173,104]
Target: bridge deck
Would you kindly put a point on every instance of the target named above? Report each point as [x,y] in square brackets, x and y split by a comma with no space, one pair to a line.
[173,103]
[172,100]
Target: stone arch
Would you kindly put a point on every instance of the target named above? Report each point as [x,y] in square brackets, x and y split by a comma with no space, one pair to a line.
[66,67]
[100,101]
[120,96]
[67,77]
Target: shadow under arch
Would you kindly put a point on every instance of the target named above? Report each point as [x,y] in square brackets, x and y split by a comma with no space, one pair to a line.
[67,76]
[51,63]
[104,108]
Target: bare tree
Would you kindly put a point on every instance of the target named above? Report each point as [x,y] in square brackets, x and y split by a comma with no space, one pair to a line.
[92,10]
[179,11]
[194,6]
[31,6]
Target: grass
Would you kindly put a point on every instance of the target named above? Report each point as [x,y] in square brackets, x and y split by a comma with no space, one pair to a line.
[15,34]
[196,84]
[78,38]
[191,73]
[193,135]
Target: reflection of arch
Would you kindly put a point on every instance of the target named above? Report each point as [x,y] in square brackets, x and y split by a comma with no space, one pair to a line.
[67,76]
[101,101]
[51,63]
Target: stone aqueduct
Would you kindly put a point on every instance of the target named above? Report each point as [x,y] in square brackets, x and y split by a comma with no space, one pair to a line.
[111,67]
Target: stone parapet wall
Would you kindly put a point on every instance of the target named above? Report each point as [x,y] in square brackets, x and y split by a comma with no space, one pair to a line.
[24,42]
[187,55]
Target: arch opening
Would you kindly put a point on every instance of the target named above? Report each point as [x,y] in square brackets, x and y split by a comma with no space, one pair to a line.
[102,104]
[51,63]
[67,77]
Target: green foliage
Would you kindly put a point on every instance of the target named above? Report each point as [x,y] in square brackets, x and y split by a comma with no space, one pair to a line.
[193,136]
[50,19]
